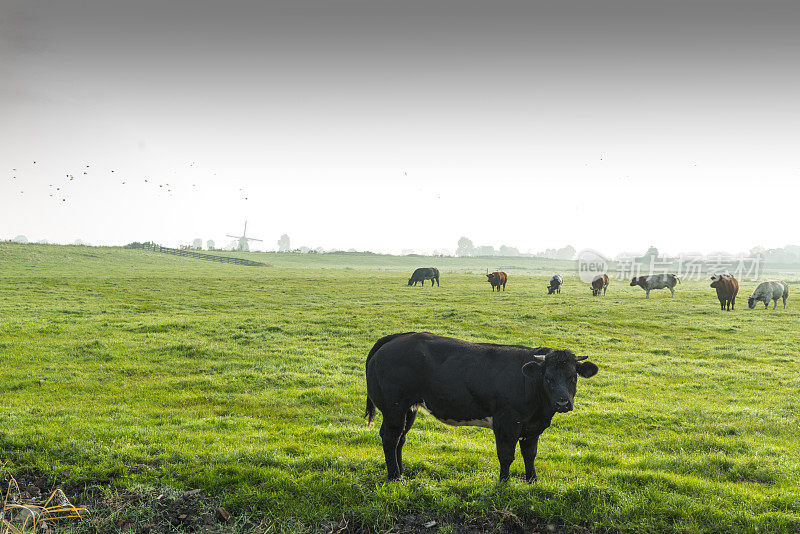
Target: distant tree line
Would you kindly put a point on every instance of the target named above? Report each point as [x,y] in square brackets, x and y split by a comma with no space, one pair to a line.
[467,249]
[787,254]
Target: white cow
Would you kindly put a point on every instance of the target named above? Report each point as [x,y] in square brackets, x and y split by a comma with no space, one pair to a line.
[766,291]
[656,281]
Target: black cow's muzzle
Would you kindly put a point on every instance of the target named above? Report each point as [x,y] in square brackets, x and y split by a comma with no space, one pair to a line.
[562,406]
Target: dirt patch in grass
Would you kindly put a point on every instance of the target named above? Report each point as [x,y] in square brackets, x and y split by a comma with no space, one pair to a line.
[139,509]
[496,521]
[147,509]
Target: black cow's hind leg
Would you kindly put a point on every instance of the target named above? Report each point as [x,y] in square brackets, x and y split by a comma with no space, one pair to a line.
[391,431]
[528,446]
[410,416]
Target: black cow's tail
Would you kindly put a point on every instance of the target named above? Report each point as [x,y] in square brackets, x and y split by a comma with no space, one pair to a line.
[369,413]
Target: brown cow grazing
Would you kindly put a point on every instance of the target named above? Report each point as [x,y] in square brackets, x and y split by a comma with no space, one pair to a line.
[727,287]
[599,283]
[497,279]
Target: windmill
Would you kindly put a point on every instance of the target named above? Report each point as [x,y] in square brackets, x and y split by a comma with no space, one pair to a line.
[243,239]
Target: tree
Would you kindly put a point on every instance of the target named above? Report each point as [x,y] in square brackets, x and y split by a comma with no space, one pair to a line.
[486,250]
[465,247]
[284,244]
[210,244]
[566,253]
[20,239]
[508,251]
[197,244]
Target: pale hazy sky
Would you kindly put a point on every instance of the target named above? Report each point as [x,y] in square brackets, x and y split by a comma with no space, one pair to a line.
[392,124]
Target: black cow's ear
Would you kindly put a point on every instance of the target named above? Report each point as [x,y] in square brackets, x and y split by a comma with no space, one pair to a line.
[586,369]
[533,368]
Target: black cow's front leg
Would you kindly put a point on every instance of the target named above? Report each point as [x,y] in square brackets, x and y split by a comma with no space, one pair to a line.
[506,434]
[528,446]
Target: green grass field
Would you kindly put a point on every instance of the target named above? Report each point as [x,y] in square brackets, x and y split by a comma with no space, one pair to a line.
[249,383]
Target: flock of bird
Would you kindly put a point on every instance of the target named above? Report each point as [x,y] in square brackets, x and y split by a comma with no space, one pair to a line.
[58,190]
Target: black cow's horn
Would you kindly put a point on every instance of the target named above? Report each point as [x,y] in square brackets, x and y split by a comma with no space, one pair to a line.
[539,359]
[579,358]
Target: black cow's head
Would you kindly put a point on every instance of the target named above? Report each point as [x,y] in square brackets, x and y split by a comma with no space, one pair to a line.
[635,280]
[410,281]
[751,303]
[558,371]
[551,289]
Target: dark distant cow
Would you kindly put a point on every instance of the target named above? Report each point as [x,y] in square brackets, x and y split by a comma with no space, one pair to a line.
[512,389]
[766,291]
[497,279]
[424,273]
[727,288]
[656,281]
[599,283]
[555,284]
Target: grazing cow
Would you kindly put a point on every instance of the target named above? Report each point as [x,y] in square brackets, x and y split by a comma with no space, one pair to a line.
[656,281]
[497,279]
[424,273]
[599,283]
[555,284]
[727,288]
[512,389]
[766,291]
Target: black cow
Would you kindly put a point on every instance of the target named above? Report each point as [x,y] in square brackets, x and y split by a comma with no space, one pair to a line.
[512,389]
[424,273]
[555,284]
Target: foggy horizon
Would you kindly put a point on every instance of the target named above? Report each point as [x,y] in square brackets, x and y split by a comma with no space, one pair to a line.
[392,126]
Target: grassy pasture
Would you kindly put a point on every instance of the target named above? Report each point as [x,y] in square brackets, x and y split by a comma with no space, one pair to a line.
[249,383]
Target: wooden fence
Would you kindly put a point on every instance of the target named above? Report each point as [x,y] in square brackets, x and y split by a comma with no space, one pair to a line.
[194,254]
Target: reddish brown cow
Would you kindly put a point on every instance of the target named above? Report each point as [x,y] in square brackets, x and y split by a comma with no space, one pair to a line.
[497,279]
[727,287]
[599,283]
